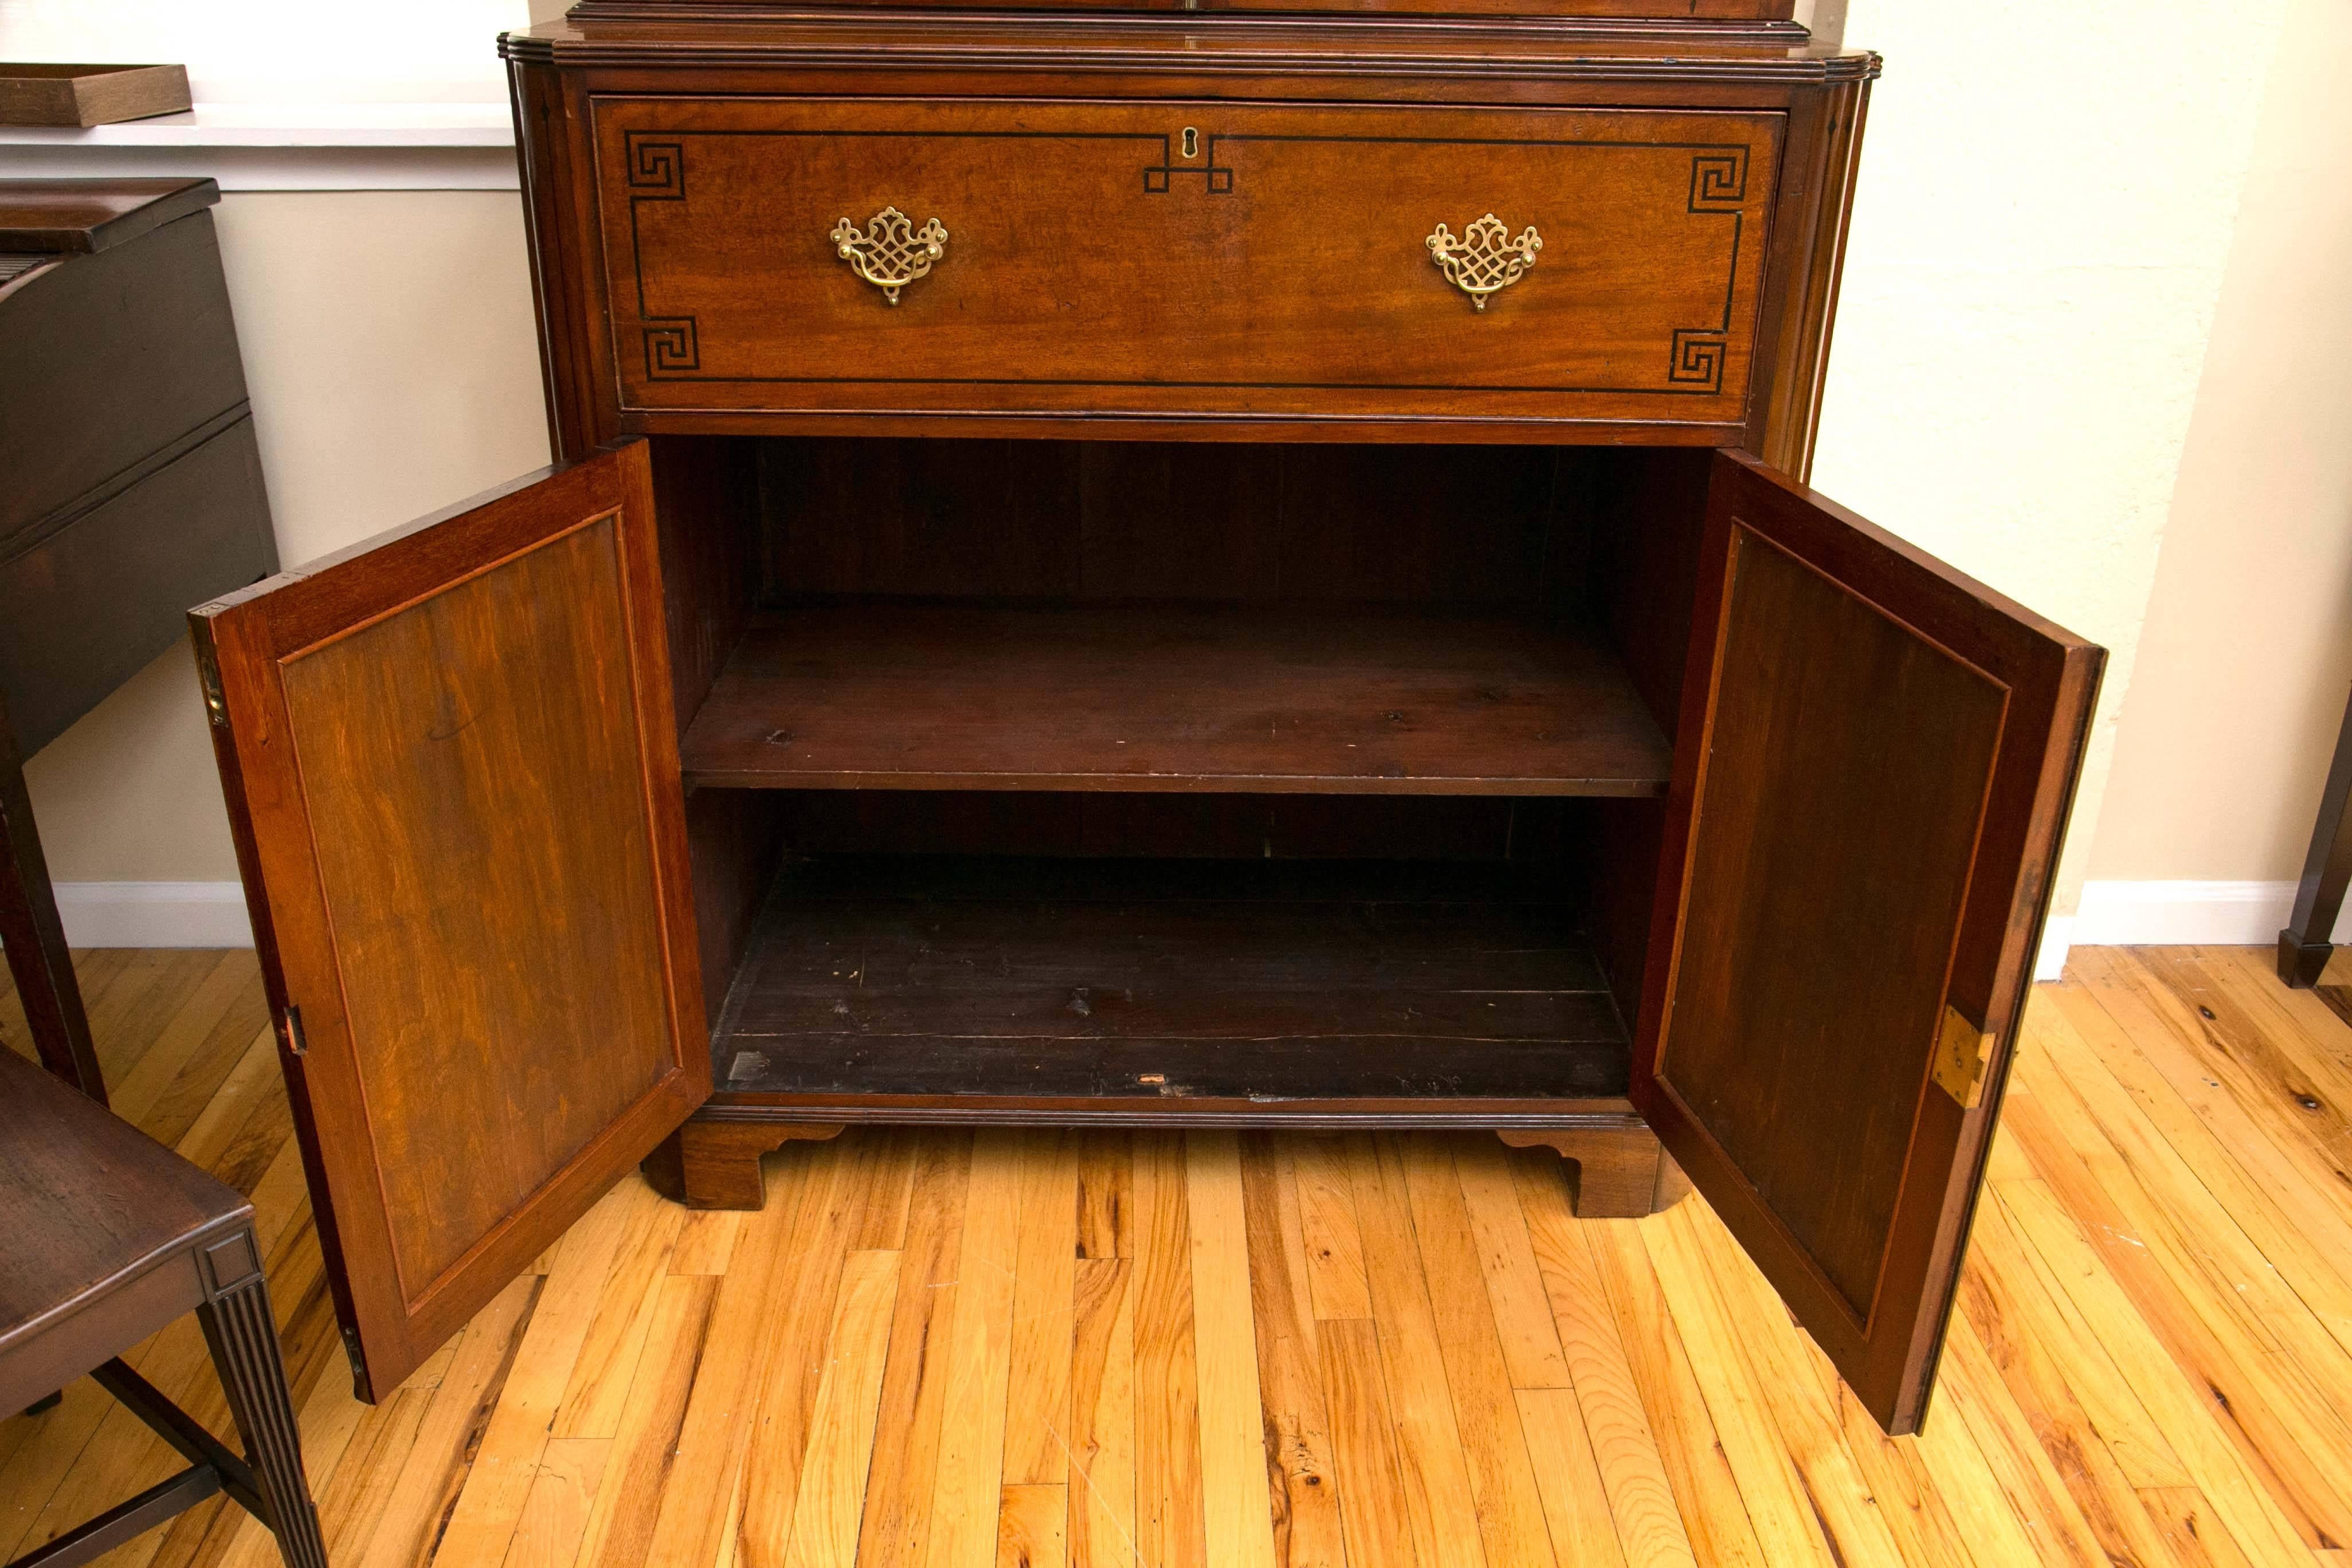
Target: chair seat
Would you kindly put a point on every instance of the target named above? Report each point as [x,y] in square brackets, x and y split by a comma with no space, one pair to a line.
[105,1228]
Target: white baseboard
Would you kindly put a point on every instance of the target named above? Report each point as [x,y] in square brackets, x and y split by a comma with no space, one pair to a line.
[2155,914]
[2158,914]
[212,914]
[154,914]
[2057,938]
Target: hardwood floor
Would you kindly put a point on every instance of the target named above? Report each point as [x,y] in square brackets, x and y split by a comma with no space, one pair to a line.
[1044,1349]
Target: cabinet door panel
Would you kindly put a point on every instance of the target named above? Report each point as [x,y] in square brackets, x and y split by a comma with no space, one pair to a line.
[452,765]
[1877,758]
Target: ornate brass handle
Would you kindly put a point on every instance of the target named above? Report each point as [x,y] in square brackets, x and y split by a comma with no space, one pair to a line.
[1486,258]
[891,252]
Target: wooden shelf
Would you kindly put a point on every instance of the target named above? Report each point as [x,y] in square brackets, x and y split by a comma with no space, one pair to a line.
[1283,989]
[898,694]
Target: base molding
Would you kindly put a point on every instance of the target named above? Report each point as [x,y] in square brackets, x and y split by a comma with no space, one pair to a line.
[708,1164]
[2156,913]
[154,914]
[1621,1173]
[2164,913]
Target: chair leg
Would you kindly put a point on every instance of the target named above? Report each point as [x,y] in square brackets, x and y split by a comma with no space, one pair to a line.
[2304,944]
[243,1337]
[35,939]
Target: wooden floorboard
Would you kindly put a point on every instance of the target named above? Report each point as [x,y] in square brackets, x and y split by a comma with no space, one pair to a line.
[1166,1351]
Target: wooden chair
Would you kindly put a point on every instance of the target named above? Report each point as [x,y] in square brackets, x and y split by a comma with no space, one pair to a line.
[109,1238]
[34,937]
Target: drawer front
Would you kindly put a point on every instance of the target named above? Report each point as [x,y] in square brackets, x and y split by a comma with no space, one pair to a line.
[1180,259]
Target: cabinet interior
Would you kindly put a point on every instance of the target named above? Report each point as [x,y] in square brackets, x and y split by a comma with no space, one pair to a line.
[1268,778]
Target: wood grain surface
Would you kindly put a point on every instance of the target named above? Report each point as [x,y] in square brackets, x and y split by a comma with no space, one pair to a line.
[1676,301]
[92,1207]
[1728,11]
[2153,1334]
[891,695]
[1094,263]
[451,769]
[1185,984]
[90,95]
[1877,755]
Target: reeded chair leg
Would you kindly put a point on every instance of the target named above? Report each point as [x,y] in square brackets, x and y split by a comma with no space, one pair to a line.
[243,1337]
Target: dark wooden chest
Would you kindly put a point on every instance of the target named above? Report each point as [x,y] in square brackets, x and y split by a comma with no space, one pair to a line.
[130,483]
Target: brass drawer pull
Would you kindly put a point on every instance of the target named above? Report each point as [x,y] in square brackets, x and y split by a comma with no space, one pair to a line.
[1486,258]
[891,252]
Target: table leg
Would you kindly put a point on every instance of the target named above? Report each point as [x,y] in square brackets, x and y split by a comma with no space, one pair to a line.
[244,1339]
[35,938]
[2304,944]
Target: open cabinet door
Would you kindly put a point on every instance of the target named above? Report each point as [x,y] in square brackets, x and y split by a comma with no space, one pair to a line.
[1876,760]
[452,773]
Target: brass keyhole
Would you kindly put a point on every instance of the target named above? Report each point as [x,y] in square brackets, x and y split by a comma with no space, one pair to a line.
[1191,142]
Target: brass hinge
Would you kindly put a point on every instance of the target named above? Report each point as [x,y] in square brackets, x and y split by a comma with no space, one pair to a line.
[1963,1051]
[290,1027]
[215,699]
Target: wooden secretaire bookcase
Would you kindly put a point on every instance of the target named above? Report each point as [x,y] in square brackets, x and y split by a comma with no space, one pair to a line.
[1160,569]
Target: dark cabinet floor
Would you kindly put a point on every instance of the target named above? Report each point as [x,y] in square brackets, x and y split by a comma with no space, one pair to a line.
[920,694]
[1119,987]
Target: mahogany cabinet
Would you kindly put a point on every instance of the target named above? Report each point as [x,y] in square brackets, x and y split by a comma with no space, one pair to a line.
[1159,571]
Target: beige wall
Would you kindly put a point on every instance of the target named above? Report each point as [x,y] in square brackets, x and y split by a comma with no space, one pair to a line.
[2039,240]
[391,356]
[2247,652]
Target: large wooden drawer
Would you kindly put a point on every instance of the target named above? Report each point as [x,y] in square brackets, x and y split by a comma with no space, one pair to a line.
[1185,259]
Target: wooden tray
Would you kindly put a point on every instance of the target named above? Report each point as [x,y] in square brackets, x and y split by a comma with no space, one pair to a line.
[88,94]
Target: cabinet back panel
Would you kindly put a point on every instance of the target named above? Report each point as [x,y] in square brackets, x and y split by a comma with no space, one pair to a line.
[1230,523]
[706,507]
[1174,826]
[1644,508]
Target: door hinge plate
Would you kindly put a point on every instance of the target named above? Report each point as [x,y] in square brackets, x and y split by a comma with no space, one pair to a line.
[352,1352]
[1963,1052]
[216,698]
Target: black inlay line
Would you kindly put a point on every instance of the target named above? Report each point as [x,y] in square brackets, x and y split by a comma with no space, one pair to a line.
[658,168]
[676,339]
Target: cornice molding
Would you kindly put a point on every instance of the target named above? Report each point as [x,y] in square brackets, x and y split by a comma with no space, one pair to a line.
[1229,44]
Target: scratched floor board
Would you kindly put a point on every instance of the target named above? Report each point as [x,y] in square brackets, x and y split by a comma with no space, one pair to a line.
[1047,1348]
